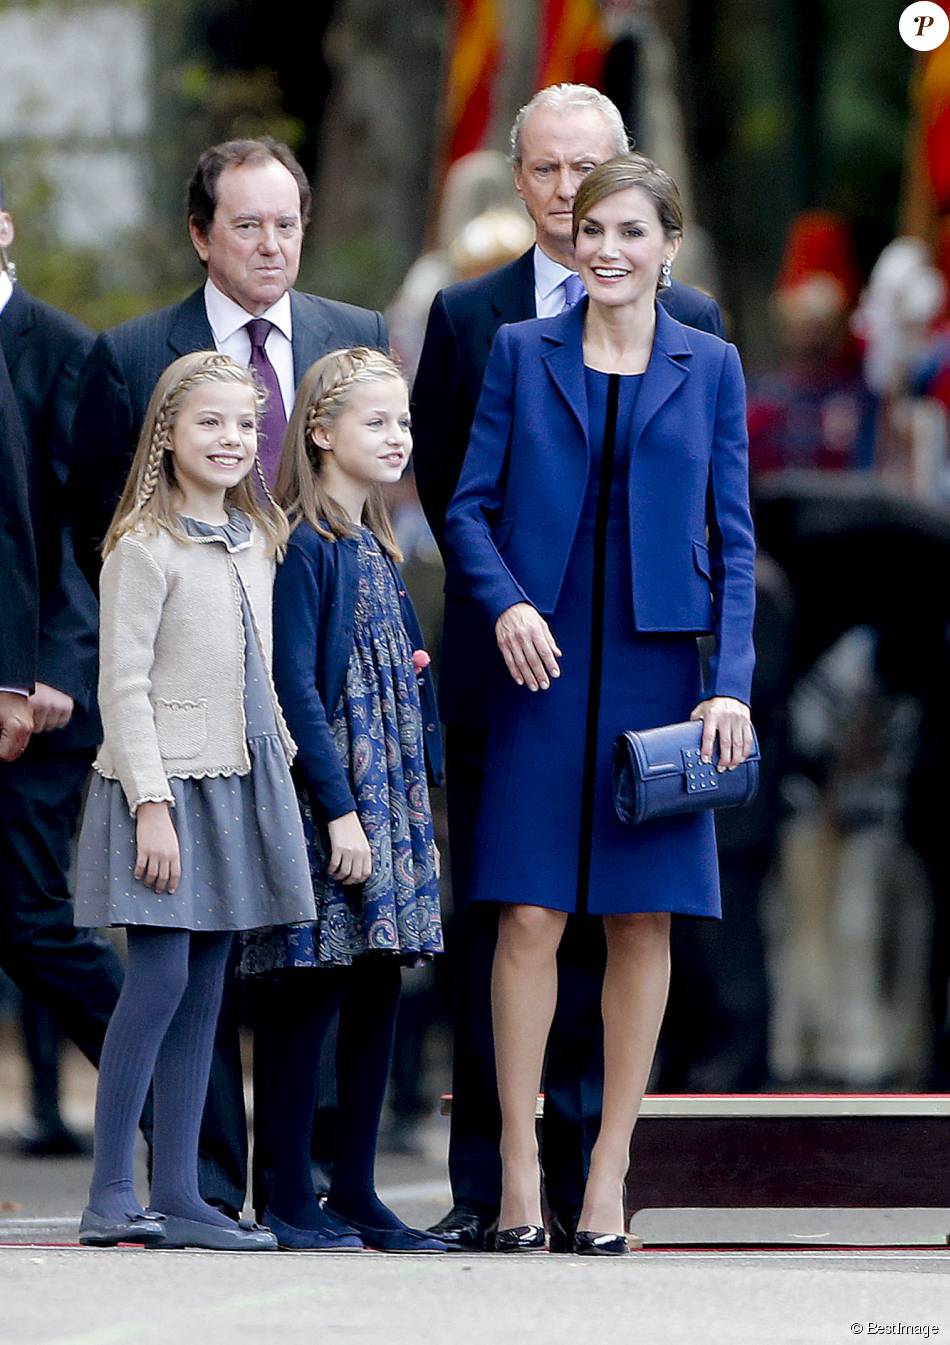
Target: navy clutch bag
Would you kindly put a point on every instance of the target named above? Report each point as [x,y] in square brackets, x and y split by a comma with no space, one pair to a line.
[658,773]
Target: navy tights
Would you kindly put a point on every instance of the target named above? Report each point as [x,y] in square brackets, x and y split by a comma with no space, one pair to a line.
[162,1030]
[289,1034]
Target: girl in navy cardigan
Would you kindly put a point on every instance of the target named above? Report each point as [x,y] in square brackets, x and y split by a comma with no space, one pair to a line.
[356,690]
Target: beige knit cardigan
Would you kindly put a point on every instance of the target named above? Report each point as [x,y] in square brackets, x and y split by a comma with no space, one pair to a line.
[171,670]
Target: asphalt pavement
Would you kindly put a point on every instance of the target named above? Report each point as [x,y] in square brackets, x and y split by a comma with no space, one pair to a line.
[52,1292]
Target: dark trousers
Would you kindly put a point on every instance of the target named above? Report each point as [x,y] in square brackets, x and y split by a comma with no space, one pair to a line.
[573,1075]
[715,1036]
[42,1042]
[74,972]
[222,1144]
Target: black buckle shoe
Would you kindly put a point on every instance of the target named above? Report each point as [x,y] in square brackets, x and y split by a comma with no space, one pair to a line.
[467,1227]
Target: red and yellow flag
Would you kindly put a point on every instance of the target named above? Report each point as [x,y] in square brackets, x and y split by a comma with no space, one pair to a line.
[476,52]
[573,43]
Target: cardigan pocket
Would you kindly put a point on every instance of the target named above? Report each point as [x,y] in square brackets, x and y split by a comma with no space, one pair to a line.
[181,728]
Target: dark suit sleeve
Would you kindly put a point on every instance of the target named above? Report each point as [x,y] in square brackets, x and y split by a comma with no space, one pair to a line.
[297,605]
[441,418]
[68,606]
[18,609]
[102,453]
[731,539]
[710,319]
[474,567]
[693,308]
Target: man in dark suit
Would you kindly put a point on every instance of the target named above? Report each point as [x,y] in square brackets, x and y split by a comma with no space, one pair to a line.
[72,973]
[19,614]
[248,207]
[558,137]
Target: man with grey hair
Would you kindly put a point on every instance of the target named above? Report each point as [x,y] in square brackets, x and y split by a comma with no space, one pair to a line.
[557,138]
[569,99]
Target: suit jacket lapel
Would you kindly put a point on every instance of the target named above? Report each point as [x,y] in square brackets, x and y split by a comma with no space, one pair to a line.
[191,329]
[15,321]
[313,332]
[663,375]
[513,300]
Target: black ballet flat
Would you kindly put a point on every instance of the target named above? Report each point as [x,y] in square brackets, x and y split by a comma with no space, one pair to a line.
[524,1238]
[605,1244]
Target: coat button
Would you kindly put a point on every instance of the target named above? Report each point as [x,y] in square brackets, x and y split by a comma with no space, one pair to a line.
[430,728]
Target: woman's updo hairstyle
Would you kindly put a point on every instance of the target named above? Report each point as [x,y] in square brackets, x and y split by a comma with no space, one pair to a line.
[621,173]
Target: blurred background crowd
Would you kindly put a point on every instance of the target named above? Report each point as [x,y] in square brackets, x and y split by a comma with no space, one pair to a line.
[812,147]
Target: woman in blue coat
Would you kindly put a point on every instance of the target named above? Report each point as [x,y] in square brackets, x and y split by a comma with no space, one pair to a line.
[602,520]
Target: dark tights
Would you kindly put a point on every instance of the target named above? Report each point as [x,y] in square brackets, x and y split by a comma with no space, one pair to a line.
[162,1026]
[298,1008]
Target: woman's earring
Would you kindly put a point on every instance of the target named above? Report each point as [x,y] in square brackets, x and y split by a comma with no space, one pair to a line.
[666,274]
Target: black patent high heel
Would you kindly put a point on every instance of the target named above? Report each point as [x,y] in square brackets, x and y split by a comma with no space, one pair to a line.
[605,1244]
[524,1238]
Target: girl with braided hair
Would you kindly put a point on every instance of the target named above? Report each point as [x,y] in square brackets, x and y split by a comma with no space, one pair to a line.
[191,829]
[355,685]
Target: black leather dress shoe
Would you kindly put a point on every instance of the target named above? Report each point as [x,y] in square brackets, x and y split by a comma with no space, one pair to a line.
[562,1228]
[524,1238]
[53,1142]
[467,1227]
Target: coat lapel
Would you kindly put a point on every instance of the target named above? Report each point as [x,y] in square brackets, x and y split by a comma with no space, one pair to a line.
[562,340]
[562,343]
[664,374]
[191,329]
[15,321]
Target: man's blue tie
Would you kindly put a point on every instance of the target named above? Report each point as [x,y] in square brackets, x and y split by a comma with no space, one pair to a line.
[574,290]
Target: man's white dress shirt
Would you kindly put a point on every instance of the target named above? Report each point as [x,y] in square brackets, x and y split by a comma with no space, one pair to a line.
[549,278]
[228,322]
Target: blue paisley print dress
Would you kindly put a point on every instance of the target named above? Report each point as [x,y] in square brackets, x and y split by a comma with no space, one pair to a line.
[377,730]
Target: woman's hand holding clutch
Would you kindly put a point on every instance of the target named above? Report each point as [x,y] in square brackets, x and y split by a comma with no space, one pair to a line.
[731,720]
[527,646]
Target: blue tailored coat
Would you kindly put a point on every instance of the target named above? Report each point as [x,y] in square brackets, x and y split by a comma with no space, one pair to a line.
[315,595]
[511,525]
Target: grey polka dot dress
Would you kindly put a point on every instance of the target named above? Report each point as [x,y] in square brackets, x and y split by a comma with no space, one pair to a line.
[243,853]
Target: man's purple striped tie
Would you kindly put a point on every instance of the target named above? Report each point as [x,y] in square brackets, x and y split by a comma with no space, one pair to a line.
[274,418]
[574,291]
